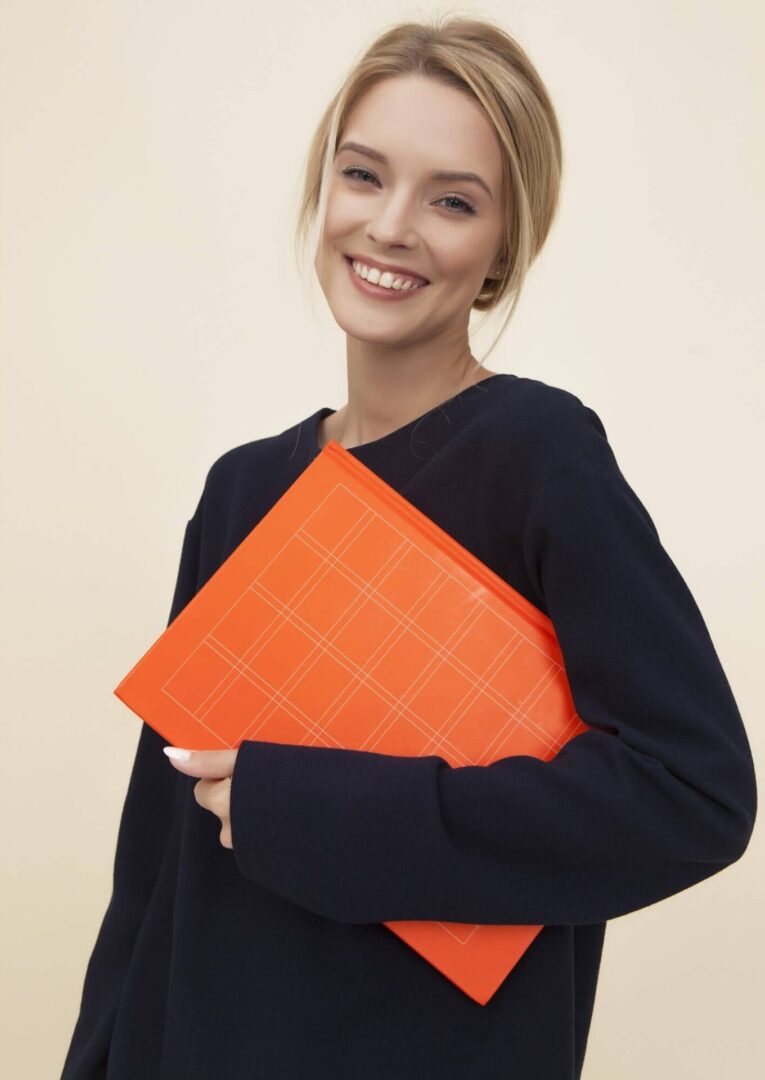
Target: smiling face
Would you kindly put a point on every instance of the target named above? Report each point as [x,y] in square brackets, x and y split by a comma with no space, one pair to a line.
[399,213]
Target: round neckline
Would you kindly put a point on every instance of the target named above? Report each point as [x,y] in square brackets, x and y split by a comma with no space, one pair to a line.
[326,410]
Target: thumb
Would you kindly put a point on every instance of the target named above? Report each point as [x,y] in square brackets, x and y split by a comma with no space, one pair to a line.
[209,764]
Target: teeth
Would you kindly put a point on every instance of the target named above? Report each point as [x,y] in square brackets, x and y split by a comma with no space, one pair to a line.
[385,279]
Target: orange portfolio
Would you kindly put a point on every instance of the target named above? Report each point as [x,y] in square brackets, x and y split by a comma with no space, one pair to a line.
[347,618]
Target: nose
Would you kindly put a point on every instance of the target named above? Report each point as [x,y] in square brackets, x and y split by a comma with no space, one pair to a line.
[392,225]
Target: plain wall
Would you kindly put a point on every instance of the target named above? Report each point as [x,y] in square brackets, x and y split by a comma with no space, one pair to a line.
[152,317]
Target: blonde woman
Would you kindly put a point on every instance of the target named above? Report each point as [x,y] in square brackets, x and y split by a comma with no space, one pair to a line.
[244,936]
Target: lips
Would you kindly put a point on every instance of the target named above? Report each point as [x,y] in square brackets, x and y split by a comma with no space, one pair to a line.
[397,271]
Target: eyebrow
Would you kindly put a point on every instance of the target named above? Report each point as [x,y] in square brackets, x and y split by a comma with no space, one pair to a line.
[438,174]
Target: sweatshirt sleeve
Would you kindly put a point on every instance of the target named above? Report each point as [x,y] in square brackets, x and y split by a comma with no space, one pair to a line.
[143,831]
[658,796]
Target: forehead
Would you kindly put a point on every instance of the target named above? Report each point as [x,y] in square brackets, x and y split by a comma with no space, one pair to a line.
[419,123]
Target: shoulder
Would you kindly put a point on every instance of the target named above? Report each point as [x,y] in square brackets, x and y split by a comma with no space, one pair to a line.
[249,470]
[548,434]
[543,430]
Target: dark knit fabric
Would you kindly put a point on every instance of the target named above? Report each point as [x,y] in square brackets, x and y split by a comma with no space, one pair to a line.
[270,961]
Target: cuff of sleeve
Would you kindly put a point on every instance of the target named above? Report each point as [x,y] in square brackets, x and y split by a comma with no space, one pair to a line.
[314,824]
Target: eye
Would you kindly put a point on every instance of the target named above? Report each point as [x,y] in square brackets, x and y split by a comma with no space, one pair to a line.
[468,209]
[465,207]
[354,169]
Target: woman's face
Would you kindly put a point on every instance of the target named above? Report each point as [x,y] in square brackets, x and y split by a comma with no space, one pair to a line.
[397,212]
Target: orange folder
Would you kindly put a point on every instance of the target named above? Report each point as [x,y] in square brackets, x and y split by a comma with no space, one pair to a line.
[347,618]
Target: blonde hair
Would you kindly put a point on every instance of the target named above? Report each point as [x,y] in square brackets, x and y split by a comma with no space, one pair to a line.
[484,62]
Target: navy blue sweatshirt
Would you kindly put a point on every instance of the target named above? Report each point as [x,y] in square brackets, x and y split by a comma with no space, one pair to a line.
[270,961]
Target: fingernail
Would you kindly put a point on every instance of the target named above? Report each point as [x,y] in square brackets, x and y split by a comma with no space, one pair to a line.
[176,754]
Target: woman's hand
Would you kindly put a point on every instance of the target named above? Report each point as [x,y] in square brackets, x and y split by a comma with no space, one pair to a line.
[213,791]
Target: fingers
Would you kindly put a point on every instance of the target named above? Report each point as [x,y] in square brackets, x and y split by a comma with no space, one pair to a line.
[213,788]
[207,764]
[215,796]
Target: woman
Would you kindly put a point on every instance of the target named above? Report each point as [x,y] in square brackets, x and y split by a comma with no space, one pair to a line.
[244,937]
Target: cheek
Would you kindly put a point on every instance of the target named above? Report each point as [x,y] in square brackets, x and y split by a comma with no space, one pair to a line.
[463,263]
[341,217]
[339,227]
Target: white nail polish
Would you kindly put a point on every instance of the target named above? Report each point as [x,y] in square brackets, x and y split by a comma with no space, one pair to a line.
[176,754]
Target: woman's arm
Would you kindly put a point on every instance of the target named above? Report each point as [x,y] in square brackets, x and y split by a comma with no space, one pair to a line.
[144,827]
[658,796]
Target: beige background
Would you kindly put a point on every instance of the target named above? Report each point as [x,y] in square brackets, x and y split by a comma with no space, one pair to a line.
[151,318]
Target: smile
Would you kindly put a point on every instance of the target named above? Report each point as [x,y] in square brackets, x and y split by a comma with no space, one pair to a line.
[387,291]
